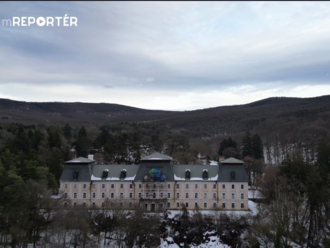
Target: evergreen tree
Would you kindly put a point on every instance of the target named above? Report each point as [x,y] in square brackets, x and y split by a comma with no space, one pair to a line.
[83,143]
[247,145]
[67,131]
[257,147]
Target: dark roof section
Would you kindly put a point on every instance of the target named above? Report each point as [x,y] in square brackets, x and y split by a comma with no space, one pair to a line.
[69,169]
[165,168]
[232,161]
[196,172]
[80,160]
[156,156]
[225,173]
[114,172]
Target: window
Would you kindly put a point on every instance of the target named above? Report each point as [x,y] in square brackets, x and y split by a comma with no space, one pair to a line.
[187,195]
[112,195]
[205,195]
[223,195]
[232,175]
[93,185]
[93,195]
[196,195]
[187,186]
[223,205]
[121,186]
[65,195]
[242,196]
[102,204]
[84,195]
[223,186]
[233,205]
[177,204]
[65,186]
[214,186]
[161,195]
[177,186]
[139,195]
[84,204]
[154,186]
[232,186]
[168,186]
[93,204]
[196,205]
[103,185]
[130,204]
[205,205]
[121,204]
[214,195]
[102,195]
[154,195]
[168,204]
[242,186]
[205,186]
[147,195]
[161,205]
[232,196]
[75,186]
[242,205]
[65,204]
[214,204]
[168,195]
[177,195]
[112,186]
[131,186]
[147,185]
[196,186]
[121,195]
[74,204]
[84,186]
[130,195]
[74,195]
[187,205]
[140,186]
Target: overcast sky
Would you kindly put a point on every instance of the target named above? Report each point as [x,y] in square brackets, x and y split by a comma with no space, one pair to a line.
[166,55]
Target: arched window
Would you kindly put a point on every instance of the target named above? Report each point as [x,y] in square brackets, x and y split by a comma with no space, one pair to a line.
[205,174]
[232,175]
[187,174]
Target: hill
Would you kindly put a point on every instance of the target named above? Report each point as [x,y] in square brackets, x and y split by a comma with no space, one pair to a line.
[277,113]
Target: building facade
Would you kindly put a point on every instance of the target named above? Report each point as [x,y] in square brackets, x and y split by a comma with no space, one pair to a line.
[156,184]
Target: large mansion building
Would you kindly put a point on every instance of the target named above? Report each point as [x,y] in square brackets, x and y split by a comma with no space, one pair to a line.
[156,184]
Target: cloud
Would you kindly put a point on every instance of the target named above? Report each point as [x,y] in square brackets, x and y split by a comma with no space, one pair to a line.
[186,46]
[149,80]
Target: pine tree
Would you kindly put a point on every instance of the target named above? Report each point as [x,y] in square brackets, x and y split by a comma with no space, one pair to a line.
[257,147]
[247,145]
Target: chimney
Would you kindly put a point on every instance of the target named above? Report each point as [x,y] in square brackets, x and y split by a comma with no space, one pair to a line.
[91,157]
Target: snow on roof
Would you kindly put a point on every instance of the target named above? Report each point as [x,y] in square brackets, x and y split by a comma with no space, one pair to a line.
[80,160]
[232,160]
[156,156]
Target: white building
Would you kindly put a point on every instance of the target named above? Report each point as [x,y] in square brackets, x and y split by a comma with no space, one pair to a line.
[157,184]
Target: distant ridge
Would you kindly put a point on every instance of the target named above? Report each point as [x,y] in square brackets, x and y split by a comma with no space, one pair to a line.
[284,112]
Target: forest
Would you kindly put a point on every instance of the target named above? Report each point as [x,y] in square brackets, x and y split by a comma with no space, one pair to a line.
[287,159]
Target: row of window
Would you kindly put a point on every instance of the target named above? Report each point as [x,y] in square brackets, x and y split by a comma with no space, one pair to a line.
[168,204]
[154,185]
[154,195]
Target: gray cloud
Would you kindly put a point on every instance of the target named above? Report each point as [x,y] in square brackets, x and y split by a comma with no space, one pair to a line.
[185,46]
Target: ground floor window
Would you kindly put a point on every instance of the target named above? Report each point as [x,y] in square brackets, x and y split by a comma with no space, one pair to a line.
[233,205]
[242,205]
[223,205]
[187,204]
[168,204]
[205,205]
